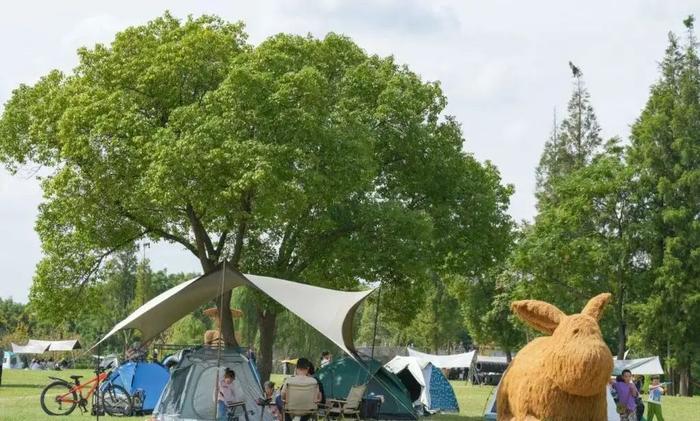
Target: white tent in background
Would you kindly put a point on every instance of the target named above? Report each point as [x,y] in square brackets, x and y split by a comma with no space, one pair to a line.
[29,349]
[639,366]
[35,346]
[329,311]
[463,360]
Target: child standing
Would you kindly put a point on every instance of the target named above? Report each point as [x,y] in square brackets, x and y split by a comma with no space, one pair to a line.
[229,393]
[626,396]
[655,391]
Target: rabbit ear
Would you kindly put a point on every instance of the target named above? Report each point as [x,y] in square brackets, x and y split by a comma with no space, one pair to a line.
[596,305]
[538,314]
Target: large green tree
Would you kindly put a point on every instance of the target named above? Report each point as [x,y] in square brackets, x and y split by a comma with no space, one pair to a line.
[665,156]
[300,158]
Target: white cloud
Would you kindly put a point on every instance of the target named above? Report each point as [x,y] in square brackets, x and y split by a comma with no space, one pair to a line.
[502,64]
[91,30]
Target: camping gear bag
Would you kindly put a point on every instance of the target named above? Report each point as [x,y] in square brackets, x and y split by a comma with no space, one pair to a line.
[369,409]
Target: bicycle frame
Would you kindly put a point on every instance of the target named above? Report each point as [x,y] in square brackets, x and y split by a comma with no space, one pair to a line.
[79,389]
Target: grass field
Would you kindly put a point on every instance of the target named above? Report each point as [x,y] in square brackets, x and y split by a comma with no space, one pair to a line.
[19,399]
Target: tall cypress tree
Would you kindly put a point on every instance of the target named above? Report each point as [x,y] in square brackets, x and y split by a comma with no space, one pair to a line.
[572,145]
[665,153]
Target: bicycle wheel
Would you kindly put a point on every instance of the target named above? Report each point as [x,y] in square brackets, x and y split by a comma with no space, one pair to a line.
[57,399]
[116,401]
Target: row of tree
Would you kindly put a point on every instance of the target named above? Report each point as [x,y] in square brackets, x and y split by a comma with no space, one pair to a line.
[617,217]
[308,159]
[121,286]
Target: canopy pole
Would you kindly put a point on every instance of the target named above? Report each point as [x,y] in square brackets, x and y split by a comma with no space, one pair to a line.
[376,319]
[97,388]
[218,356]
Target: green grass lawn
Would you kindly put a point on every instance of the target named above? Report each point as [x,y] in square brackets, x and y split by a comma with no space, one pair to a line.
[19,399]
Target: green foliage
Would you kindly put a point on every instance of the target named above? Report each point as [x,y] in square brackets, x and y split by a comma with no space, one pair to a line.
[485,306]
[585,242]
[143,288]
[187,331]
[666,159]
[12,314]
[19,335]
[572,145]
[296,339]
[437,323]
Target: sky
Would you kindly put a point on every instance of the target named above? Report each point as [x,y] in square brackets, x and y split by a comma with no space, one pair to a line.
[503,66]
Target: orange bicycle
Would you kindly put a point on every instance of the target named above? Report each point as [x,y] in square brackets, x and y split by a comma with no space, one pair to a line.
[61,397]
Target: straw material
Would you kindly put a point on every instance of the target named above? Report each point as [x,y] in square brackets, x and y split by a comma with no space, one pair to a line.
[561,377]
[213,313]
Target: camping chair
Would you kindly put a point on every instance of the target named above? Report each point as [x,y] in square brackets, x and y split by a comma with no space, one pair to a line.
[232,411]
[301,400]
[350,406]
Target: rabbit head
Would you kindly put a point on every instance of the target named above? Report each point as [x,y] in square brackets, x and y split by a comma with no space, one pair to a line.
[575,356]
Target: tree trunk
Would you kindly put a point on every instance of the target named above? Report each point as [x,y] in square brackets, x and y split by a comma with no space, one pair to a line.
[223,305]
[267,322]
[227,331]
[622,325]
[621,340]
[683,380]
[509,356]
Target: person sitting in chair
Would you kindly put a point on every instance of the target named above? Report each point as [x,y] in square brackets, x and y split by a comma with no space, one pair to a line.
[301,377]
[229,394]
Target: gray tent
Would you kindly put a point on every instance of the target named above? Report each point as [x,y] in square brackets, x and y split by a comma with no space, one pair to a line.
[189,395]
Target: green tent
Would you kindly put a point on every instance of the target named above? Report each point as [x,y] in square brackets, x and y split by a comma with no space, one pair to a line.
[342,374]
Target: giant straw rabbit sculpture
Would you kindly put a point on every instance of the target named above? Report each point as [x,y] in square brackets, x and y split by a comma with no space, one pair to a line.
[561,377]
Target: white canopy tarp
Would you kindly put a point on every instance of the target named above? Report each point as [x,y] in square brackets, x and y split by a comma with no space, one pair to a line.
[36,346]
[639,366]
[463,360]
[329,311]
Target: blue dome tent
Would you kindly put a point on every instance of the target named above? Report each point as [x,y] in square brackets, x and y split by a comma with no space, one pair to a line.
[426,384]
[149,377]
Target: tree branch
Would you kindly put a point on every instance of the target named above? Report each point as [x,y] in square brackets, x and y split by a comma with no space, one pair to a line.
[160,232]
[286,246]
[241,231]
[85,278]
[205,248]
[220,245]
